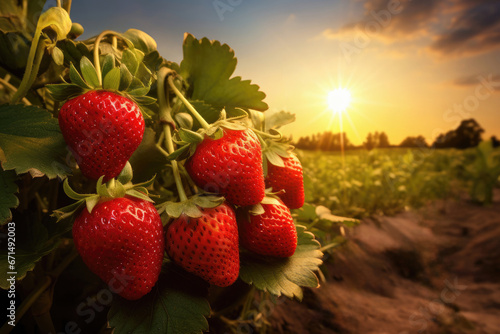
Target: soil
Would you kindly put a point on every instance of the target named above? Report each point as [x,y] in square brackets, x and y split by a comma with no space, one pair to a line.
[433,270]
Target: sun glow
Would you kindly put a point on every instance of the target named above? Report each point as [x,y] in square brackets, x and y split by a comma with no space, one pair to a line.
[339,99]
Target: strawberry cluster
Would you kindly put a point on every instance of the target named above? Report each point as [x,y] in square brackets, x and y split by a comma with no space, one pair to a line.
[119,233]
[227,160]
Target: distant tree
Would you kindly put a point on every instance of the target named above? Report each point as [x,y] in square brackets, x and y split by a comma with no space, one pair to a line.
[468,134]
[383,140]
[370,142]
[495,141]
[326,141]
[377,139]
[418,141]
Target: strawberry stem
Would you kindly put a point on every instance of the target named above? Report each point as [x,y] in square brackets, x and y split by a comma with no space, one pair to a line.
[188,105]
[32,66]
[97,62]
[67,5]
[166,118]
[267,135]
[262,142]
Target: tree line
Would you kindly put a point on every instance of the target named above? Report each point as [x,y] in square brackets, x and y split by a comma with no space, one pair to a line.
[467,134]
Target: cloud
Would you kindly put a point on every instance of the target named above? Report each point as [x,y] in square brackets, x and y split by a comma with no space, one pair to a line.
[491,80]
[447,27]
[475,29]
[390,19]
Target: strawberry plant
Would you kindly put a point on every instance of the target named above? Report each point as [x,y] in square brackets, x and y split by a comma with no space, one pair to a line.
[139,183]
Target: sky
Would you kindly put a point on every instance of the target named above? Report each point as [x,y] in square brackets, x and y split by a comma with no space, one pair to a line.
[413,67]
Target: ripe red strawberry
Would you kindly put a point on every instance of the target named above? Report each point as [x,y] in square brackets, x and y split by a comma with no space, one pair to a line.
[206,246]
[288,178]
[271,233]
[102,130]
[230,166]
[122,241]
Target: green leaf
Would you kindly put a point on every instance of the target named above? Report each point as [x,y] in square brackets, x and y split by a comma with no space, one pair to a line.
[257,119]
[58,56]
[324,213]
[181,153]
[306,214]
[73,51]
[67,211]
[256,209]
[143,74]
[14,50]
[176,305]
[141,40]
[184,120]
[209,201]
[189,136]
[76,78]
[278,119]
[91,202]
[136,84]
[8,200]
[284,276]
[138,91]
[73,194]
[209,113]
[31,141]
[207,66]
[236,113]
[147,159]
[63,92]
[13,17]
[125,79]
[138,194]
[89,72]
[32,243]
[270,201]
[112,79]
[274,158]
[107,64]
[145,100]
[130,61]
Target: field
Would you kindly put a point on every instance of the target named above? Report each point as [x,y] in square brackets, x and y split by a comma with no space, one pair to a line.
[387,181]
[423,257]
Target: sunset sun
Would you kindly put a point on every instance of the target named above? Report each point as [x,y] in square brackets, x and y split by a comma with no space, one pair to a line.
[339,99]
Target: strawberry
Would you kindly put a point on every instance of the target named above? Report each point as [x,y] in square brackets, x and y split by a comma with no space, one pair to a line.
[102,130]
[122,242]
[270,233]
[288,178]
[230,166]
[206,246]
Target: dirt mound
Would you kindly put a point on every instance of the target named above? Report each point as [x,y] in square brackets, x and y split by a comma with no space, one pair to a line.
[435,270]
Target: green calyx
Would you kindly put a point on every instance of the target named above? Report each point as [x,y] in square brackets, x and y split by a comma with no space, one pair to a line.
[112,189]
[190,207]
[187,140]
[270,199]
[128,76]
[274,151]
